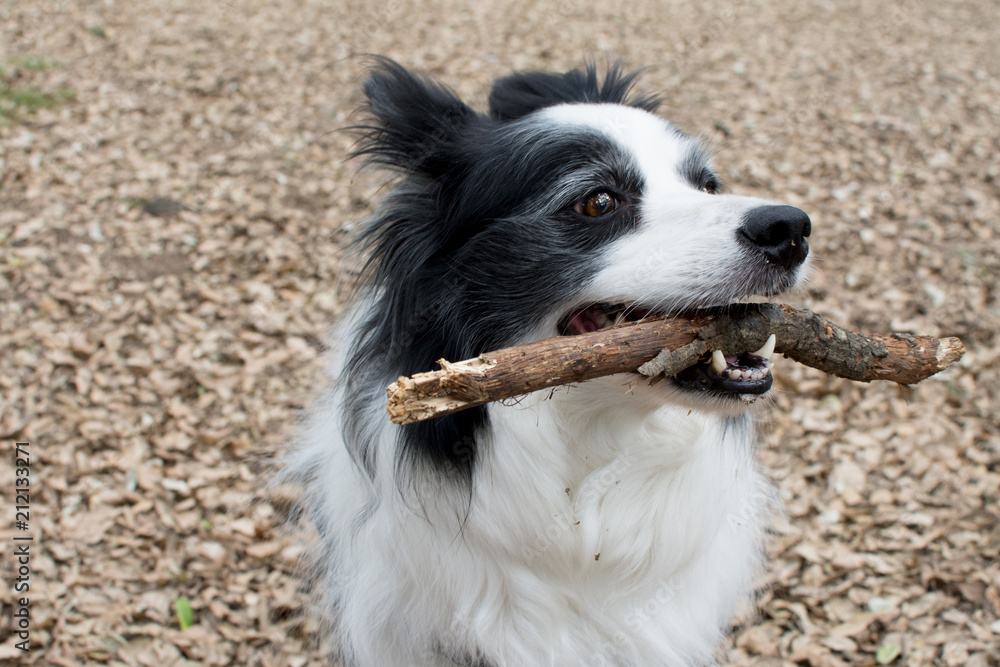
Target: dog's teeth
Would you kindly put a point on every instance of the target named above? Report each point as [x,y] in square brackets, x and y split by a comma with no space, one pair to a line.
[718,361]
[768,348]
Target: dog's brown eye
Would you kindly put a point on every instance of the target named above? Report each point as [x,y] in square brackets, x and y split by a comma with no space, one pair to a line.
[711,187]
[596,205]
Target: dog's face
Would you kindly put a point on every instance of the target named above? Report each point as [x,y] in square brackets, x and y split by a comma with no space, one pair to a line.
[684,245]
[569,206]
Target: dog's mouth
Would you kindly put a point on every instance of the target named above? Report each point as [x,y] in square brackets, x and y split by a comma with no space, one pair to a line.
[601,316]
[742,374]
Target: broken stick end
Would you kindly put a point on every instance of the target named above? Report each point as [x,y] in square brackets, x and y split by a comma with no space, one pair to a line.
[949,351]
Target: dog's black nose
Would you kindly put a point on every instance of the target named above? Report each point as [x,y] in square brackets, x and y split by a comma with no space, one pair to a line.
[779,232]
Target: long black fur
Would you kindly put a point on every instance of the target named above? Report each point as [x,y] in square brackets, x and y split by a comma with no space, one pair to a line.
[439,251]
[521,93]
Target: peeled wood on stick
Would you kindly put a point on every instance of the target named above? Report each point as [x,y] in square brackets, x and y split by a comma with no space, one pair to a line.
[667,345]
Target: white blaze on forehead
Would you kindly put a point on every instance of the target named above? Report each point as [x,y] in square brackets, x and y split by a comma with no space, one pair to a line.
[684,251]
[657,148]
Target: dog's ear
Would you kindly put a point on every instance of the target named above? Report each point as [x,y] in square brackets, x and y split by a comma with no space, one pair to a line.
[416,121]
[521,93]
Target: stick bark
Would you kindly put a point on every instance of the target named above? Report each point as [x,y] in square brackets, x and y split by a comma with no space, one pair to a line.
[667,345]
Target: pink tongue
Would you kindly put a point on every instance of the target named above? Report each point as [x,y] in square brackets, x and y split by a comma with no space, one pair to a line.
[582,324]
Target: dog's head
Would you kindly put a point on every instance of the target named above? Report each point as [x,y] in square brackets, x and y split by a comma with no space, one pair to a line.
[565,207]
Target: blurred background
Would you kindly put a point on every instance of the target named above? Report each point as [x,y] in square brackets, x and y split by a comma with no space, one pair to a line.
[173,202]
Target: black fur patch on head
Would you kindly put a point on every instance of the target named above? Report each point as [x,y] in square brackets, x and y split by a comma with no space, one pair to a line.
[415,121]
[473,248]
[696,169]
[521,93]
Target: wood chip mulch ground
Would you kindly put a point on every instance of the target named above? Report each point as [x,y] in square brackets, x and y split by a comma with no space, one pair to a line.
[173,200]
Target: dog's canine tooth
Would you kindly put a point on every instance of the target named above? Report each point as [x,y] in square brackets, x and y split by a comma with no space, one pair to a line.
[718,361]
[768,348]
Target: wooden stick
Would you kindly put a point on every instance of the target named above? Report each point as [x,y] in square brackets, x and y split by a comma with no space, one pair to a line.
[667,345]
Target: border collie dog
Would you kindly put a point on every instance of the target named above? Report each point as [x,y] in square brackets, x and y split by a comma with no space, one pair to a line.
[613,522]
